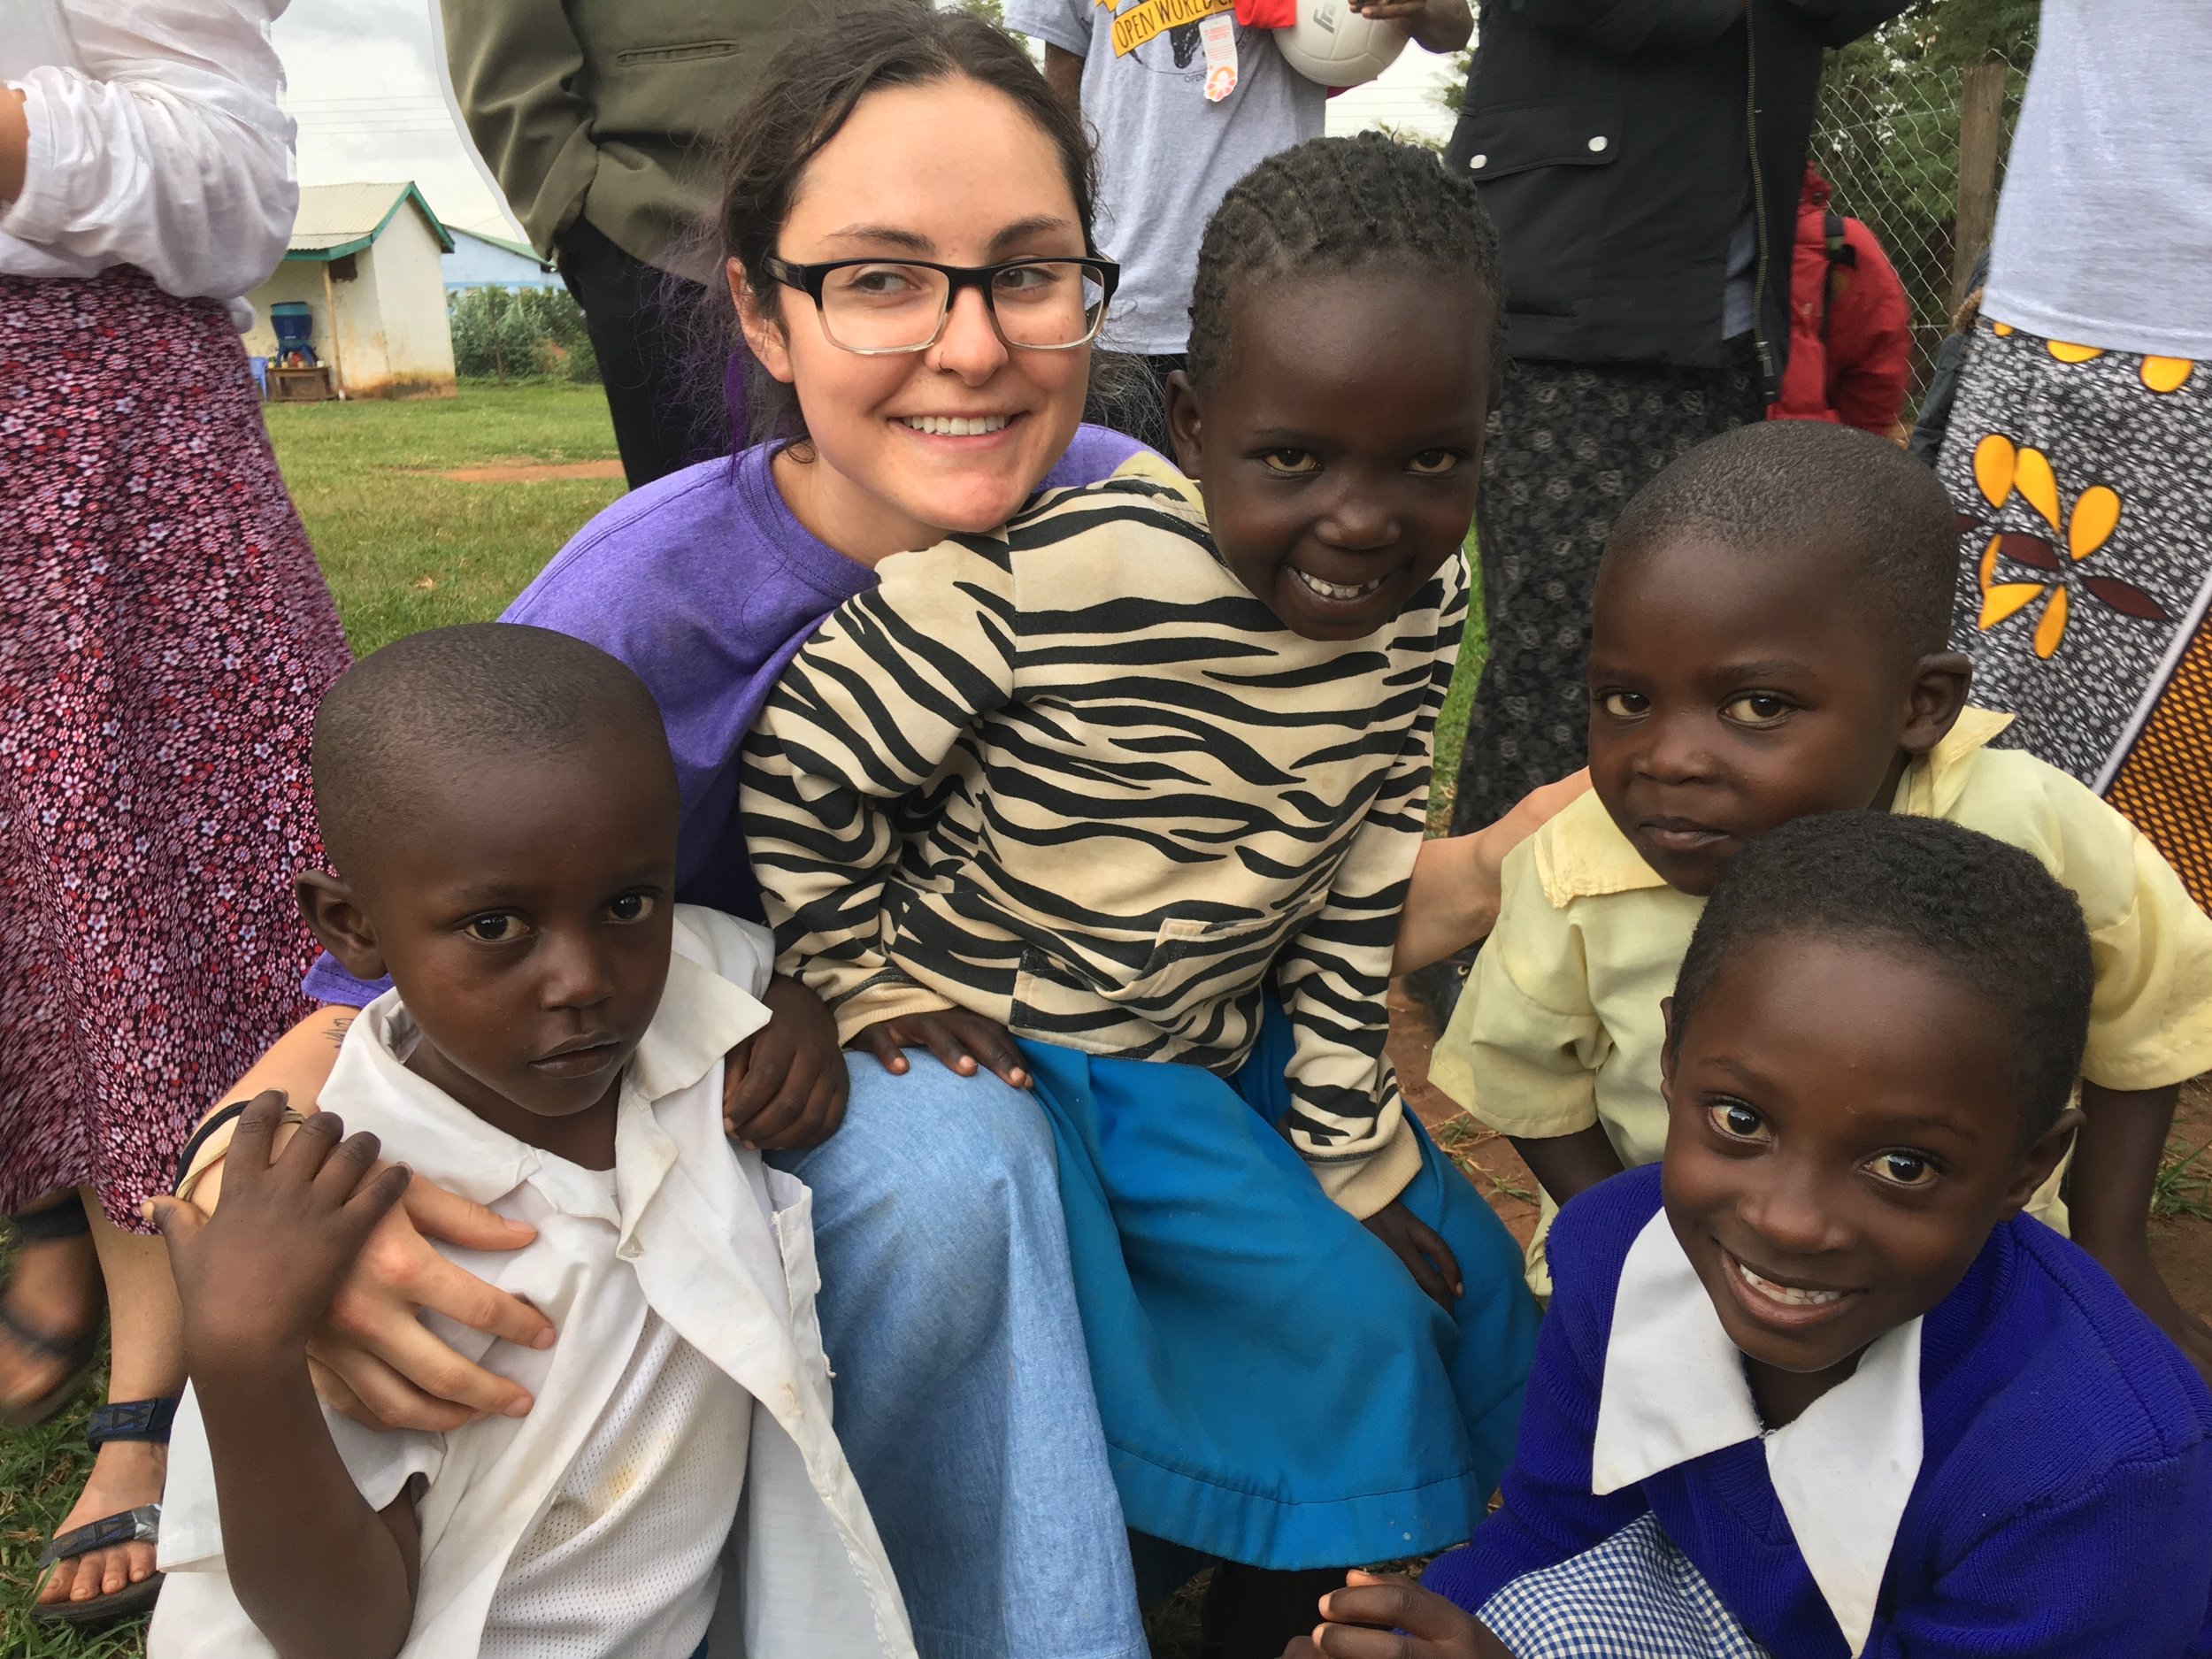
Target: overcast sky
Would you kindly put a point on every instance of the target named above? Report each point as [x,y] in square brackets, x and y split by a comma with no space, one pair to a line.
[366,93]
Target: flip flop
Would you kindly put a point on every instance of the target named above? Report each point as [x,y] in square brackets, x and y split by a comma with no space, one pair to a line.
[76,1354]
[129,1420]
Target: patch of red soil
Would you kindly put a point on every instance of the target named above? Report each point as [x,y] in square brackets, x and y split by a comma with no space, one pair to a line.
[525,471]
[2182,1244]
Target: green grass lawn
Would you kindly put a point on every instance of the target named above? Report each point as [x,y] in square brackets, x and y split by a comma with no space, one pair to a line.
[406,550]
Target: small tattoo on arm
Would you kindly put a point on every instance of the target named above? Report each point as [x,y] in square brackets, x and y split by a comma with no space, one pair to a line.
[336,1033]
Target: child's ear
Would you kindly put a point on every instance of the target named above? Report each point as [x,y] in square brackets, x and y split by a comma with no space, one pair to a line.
[1185,425]
[763,334]
[339,923]
[2042,1158]
[1666,1050]
[1939,682]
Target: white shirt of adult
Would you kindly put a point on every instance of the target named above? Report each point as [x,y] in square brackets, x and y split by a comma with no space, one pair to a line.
[2104,232]
[155,140]
[688,1367]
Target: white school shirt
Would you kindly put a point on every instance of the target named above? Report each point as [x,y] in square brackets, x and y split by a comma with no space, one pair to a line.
[1674,1389]
[688,1245]
[155,140]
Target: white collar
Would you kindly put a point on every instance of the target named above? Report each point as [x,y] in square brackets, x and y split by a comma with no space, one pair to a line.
[701,1018]
[1675,1390]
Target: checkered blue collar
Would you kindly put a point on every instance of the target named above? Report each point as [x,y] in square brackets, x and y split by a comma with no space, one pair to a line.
[1675,1390]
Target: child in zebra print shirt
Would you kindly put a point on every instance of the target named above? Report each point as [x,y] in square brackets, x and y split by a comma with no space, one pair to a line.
[1141,779]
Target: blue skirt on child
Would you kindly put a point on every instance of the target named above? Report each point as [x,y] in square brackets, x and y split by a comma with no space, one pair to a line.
[1276,1389]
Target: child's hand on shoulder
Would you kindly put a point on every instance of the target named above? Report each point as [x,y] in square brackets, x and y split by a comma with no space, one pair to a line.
[1427,1256]
[784,1088]
[257,1276]
[1375,1617]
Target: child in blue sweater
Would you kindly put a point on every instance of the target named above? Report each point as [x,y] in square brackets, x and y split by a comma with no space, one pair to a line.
[1814,1386]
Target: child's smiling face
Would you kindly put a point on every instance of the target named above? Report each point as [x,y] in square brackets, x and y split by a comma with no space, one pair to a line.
[1731,691]
[1339,444]
[1845,1128]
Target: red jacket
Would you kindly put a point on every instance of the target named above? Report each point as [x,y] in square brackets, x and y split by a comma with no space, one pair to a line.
[1850,328]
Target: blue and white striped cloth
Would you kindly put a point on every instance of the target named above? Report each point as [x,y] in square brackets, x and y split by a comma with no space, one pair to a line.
[1635,1596]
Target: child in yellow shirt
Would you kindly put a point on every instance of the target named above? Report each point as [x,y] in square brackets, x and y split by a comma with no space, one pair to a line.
[1767,642]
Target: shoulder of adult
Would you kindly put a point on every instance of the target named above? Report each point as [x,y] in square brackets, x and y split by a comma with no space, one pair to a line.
[1100,452]
[2052,1380]
[637,538]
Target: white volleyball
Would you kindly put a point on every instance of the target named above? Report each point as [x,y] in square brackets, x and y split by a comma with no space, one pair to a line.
[1333,44]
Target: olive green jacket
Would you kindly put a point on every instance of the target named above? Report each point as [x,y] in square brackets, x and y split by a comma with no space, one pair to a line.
[611,111]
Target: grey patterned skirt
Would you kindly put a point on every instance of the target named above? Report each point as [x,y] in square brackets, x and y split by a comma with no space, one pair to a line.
[1569,443]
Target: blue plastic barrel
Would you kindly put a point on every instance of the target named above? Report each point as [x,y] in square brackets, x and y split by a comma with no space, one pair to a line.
[294,326]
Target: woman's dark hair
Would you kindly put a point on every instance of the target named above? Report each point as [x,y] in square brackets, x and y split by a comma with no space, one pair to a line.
[803,98]
[1334,203]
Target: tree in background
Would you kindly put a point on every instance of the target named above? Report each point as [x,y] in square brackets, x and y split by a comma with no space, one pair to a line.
[520,334]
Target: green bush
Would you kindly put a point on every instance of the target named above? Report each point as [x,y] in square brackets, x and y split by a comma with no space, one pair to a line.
[520,334]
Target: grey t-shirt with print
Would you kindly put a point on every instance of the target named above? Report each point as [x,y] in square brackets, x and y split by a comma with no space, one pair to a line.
[1166,156]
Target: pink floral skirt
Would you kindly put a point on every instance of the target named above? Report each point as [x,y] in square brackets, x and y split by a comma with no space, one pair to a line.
[164,636]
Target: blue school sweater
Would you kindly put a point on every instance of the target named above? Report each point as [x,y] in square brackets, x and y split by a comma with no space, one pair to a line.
[2064,1501]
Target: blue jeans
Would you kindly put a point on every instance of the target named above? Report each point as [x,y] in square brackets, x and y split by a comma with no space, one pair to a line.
[963,1390]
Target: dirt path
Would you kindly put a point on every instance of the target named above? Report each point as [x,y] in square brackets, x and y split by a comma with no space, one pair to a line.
[525,470]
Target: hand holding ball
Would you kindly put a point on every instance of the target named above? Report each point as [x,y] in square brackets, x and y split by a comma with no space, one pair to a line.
[1333,44]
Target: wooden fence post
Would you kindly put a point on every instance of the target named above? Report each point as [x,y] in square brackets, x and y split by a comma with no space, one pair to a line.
[1981,131]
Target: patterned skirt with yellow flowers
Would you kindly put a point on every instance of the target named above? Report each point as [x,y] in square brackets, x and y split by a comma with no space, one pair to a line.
[2084,483]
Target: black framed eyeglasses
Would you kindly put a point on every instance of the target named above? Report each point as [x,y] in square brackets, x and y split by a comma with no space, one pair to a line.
[881,307]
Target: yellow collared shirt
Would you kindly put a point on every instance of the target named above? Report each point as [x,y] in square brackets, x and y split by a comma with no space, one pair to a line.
[1560,1026]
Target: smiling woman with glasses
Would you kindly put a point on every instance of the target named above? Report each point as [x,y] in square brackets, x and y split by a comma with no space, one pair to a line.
[882,307]
[907,408]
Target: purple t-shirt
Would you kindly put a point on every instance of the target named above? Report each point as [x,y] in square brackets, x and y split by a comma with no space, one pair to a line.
[706,586]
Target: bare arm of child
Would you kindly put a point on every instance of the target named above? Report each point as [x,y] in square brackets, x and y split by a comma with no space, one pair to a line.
[1064,73]
[1569,1164]
[371,1357]
[1452,900]
[322,1574]
[2116,1157]
[1377,1617]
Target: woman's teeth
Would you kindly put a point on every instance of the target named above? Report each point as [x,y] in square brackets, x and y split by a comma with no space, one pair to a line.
[954,426]
[1788,1295]
[1336,590]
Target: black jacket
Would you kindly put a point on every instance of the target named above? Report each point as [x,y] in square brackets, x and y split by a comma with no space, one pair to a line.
[1616,143]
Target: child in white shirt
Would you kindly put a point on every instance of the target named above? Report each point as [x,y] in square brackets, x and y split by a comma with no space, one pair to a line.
[501,802]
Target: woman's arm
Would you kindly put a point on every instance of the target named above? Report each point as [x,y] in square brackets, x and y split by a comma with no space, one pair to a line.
[370,1356]
[1452,902]
[861,719]
[15,138]
[167,152]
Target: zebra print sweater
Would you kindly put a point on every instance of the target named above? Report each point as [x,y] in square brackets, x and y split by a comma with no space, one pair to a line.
[1073,776]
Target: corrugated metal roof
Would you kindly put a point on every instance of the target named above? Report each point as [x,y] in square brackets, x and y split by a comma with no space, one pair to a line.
[342,219]
[522,248]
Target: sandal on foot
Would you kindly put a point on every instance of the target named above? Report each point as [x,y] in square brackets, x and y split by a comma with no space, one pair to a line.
[131,1420]
[76,1354]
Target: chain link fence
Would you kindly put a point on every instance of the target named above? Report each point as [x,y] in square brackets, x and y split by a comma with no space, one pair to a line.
[1918,155]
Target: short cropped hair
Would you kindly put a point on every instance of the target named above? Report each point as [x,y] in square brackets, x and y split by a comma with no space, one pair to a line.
[1335,205]
[1986,914]
[1783,487]
[432,706]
